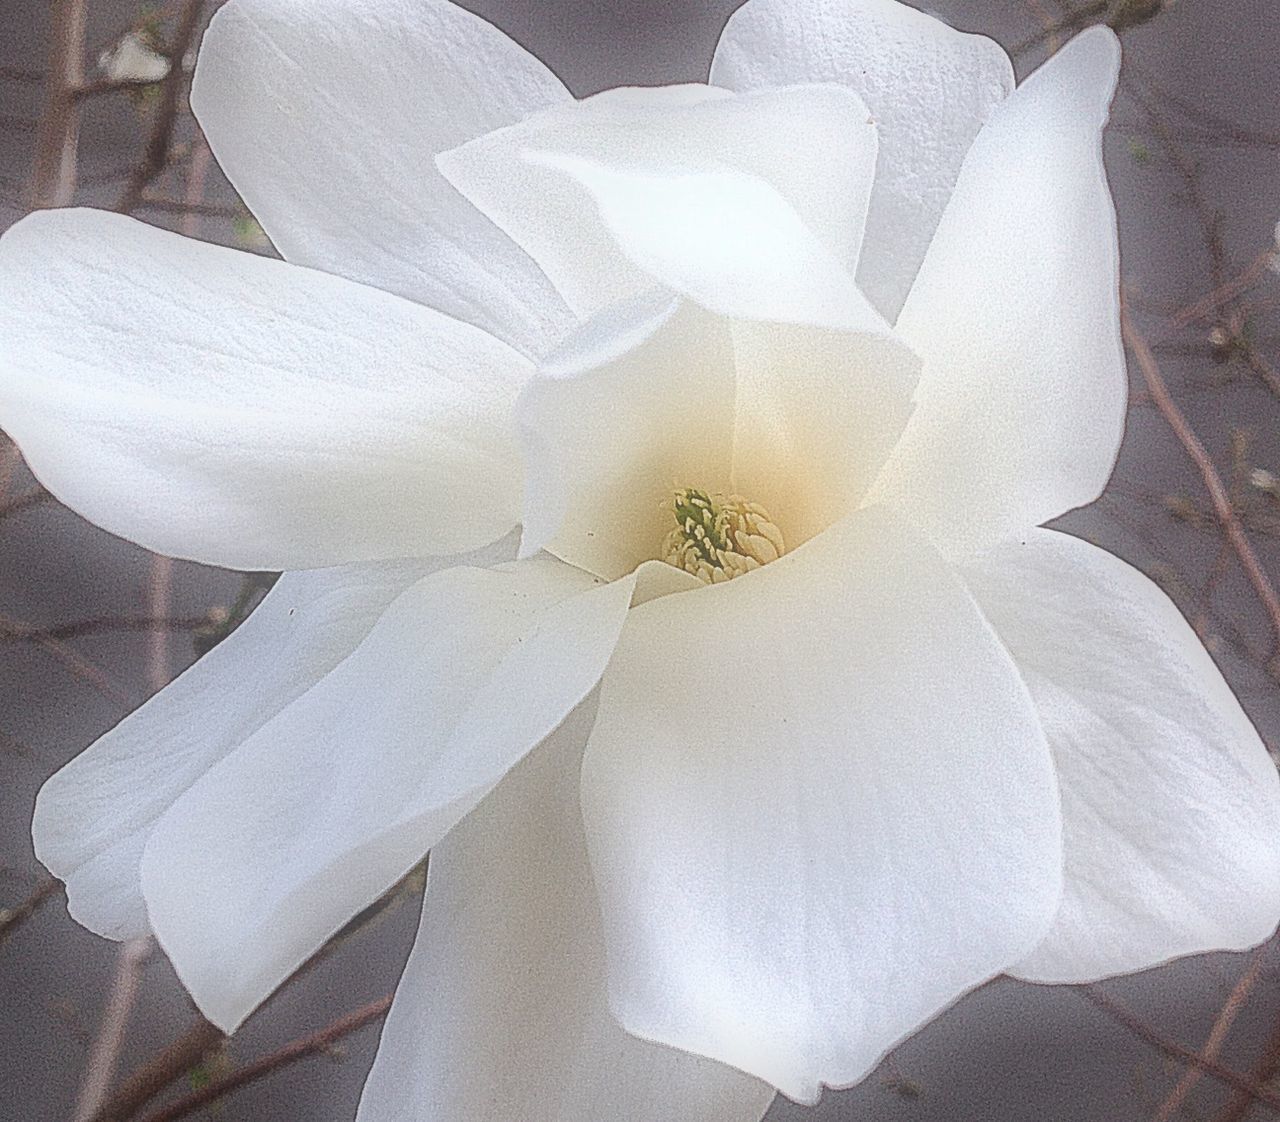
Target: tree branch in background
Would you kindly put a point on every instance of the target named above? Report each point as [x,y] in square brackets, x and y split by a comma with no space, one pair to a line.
[13,918]
[1222,505]
[53,180]
[1217,1038]
[1123,1015]
[165,120]
[291,1053]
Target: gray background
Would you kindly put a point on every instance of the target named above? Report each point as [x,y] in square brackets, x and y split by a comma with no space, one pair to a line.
[1007,1052]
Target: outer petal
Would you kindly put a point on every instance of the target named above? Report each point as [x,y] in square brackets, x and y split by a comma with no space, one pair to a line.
[1171,805]
[327,118]
[818,806]
[93,817]
[501,1012]
[332,801]
[1021,401]
[242,412]
[814,146]
[929,89]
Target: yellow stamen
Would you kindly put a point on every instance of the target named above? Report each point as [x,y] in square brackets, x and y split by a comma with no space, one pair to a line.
[719,539]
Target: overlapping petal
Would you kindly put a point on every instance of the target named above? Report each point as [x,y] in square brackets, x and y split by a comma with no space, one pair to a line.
[214,405]
[780,165]
[1021,402]
[501,1012]
[93,817]
[327,119]
[929,89]
[339,795]
[802,854]
[1171,812]
[656,394]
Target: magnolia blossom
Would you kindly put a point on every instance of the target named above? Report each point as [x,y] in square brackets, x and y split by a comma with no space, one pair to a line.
[657,478]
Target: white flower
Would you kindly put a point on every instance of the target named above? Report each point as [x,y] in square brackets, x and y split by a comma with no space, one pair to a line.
[926,744]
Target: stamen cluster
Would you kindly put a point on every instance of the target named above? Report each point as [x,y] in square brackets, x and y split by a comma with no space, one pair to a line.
[718,539]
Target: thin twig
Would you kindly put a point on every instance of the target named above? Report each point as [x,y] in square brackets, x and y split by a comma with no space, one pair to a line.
[1208,472]
[202,210]
[77,664]
[53,179]
[110,1035]
[165,120]
[291,1053]
[24,502]
[13,631]
[1217,1035]
[1266,1069]
[13,918]
[1136,1025]
[183,1054]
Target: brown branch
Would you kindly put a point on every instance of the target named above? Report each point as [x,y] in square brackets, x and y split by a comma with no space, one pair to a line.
[165,121]
[79,666]
[183,1054]
[1130,1020]
[21,74]
[53,179]
[114,85]
[1266,1069]
[94,1085]
[291,1053]
[1222,505]
[1217,1036]
[24,502]
[203,210]
[1205,307]
[14,631]
[13,918]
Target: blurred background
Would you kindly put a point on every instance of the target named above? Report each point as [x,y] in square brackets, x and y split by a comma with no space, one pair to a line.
[90,625]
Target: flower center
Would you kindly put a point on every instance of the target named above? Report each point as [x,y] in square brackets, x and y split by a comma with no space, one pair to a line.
[717,539]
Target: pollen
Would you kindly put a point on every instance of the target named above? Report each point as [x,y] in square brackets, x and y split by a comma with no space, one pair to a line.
[717,539]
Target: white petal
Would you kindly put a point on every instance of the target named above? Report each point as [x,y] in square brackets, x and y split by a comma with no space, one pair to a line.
[638,402]
[817,414]
[818,806]
[501,1013]
[94,816]
[331,802]
[654,394]
[1171,805]
[929,89]
[327,119]
[1021,401]
[219,406]
[756,200]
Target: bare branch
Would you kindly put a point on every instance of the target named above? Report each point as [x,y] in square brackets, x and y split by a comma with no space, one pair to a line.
[53,180]
[1125,1016]
[291,1053]
[1222,505]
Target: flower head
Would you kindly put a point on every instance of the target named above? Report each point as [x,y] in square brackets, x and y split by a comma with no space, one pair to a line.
[659,476]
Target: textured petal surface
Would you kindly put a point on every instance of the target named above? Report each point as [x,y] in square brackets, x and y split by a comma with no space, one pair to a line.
[501,1012]
[211,404]
[94,816]
[656,394]
[818,806]
[337,797]
[1171,805]
[929,88]
[814,146]
[327,119]
[1021,401]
